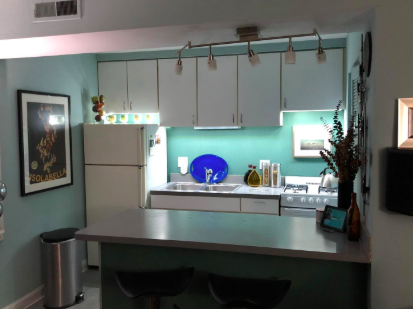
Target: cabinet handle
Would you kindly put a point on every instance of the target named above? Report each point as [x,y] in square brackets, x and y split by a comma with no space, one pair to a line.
[285,102]
[193,119]
[241,118]
[233,118]
[130,105]
[124,108]
[256,202]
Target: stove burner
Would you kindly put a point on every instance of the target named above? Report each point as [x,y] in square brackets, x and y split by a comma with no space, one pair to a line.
[296,188]
[327,190]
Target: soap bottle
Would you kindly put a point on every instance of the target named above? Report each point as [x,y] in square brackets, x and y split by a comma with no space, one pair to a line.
[353,220]
[248,173]
[254,179]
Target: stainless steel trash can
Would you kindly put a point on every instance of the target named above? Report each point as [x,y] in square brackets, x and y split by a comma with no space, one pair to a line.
[62,268]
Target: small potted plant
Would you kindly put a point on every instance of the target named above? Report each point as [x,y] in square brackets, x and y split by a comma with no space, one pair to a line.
[343,159]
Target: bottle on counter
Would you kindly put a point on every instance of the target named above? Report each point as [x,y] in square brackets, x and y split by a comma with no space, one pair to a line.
[248,173]
[353,220]
[275,175]
[266,179]
[254,179]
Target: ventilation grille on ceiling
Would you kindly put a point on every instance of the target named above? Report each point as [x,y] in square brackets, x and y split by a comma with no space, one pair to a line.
[46,10]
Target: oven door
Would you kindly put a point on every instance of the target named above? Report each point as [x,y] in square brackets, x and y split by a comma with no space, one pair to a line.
[298,212]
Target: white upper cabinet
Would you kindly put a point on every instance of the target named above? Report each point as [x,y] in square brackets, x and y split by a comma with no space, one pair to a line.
[113,84]
[177,93]
[307,85]
[259,91]
[143,86]
[217,92]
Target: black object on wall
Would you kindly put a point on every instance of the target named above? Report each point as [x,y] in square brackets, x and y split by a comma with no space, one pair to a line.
[399,181]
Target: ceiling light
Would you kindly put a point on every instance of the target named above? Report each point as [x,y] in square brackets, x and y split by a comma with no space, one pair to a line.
[321,54]
[212,63]
[290,54]
[252,57]
[178,66]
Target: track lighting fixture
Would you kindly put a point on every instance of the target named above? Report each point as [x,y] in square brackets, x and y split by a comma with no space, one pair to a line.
[252,57]
[212,62]
[290,54]
[178,66]
[321,54]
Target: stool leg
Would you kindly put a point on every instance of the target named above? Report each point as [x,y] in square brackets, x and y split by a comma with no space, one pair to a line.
[155,303]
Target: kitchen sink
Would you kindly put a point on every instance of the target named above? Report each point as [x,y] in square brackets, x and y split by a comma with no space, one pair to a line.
[220,188]
[185,187]
[203,188]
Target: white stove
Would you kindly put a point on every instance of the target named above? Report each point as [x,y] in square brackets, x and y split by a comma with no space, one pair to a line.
[302,195]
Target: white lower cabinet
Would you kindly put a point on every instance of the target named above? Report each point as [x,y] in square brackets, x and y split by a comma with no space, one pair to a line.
[260,206]
[201,203]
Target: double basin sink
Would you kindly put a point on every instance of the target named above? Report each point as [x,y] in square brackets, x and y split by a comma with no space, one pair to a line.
[201,187]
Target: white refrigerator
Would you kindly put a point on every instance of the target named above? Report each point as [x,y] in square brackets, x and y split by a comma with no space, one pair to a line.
[122,163]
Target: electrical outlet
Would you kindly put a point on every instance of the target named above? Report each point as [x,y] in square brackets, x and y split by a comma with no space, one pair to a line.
[262,162]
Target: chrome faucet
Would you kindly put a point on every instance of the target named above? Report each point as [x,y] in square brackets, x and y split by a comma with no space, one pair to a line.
[208,175]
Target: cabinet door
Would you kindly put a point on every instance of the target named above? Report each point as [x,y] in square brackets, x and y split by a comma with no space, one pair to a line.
[177,93]
[199,203]
[307,85]
[113,85]
[143,86]
[217,92]
[260,206]
[259,91]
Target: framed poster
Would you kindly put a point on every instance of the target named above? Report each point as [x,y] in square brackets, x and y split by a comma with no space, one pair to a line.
[45,141]
[308,141]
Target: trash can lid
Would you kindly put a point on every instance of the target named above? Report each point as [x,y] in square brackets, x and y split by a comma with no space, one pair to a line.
[59,235]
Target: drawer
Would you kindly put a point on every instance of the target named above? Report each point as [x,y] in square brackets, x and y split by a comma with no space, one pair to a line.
[200,203]
[260,206]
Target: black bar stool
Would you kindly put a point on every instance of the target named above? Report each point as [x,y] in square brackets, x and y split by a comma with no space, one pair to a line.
[248,293]
[154,284]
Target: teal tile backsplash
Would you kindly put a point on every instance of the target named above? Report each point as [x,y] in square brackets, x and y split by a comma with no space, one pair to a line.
[248,145]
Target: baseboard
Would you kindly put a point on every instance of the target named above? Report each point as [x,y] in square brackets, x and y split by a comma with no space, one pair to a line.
[36,295]
[28,300]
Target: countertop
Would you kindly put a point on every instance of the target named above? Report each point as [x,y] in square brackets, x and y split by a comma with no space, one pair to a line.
[243,192]
[235,232]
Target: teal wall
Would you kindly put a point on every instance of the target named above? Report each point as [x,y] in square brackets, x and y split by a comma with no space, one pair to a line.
[248,145]
[27,217]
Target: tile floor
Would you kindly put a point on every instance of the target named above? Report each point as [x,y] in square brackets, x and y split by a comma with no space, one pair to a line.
[91,284]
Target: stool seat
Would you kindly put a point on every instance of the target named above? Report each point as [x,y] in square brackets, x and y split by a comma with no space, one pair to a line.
[154,284]
[248,293]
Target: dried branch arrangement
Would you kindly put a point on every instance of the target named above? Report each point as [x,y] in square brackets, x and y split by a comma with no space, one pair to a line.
[343,160]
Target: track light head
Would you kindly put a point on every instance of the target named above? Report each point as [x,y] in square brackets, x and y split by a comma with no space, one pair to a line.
[290,54]
[178,67]
[212,62]
[321,54]
[253,58]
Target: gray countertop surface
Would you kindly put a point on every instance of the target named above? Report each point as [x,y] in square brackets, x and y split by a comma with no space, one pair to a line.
[243,192]
[235,232]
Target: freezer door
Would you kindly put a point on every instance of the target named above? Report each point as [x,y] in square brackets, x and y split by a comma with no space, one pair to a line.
[298,212]
[109,191]
[113,144]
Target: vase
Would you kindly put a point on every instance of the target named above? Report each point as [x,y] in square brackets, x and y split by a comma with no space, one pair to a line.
[353,220]
[345,189]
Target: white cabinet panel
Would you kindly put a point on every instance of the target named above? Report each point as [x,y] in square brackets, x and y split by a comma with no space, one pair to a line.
[113,85]
[143,86]
[307,85]
[260,206]
[217,92]
[259,91]
[177,93]
[115,144]
[201,203]
[109,191]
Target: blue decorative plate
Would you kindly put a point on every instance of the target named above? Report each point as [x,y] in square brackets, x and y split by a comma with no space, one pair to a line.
[218,166]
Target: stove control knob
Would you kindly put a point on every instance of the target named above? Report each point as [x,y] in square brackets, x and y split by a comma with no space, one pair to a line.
[318,201]
[325,201]
[290,199]
[303,200]
[311,200]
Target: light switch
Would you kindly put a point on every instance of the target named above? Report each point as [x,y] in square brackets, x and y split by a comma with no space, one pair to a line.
[262,162]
